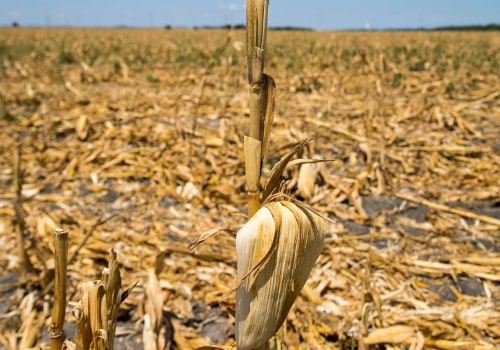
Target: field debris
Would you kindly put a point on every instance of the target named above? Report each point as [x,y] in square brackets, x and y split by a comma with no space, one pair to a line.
[132,140]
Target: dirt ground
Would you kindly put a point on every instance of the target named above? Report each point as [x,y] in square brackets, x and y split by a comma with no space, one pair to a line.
[138,148]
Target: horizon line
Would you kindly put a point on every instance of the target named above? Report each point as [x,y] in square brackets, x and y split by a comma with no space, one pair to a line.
[491,26]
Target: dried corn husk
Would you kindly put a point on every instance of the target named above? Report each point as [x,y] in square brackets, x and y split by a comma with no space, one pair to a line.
[276,250]
[393,334]
[307,179]
[82,127]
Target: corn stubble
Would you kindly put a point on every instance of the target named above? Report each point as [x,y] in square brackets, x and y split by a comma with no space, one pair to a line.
[97,311]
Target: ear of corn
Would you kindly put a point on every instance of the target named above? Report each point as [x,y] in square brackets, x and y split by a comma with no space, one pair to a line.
[276,251]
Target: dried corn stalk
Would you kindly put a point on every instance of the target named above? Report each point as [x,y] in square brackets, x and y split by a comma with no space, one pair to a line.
[91,317]
[261,100]
[61,265]
[25,265]
[277,248]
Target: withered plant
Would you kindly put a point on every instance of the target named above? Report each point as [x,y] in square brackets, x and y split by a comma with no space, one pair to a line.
[277,248]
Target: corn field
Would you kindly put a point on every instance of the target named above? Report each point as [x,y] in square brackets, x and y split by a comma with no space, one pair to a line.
[132,141]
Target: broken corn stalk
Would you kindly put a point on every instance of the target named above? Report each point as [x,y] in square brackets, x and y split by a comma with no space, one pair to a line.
[97,311]
[261,100]
[61,266]
[276,251]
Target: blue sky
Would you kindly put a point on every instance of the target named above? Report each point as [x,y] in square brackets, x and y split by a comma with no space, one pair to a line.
[318,14]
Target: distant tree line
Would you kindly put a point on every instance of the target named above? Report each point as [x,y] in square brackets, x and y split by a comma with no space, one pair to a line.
[243,26]
[491,26]
[487,27]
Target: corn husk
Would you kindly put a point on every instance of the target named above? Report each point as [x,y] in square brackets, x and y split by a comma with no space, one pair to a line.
[82,127]
[276,251]
[393,334]
[307,179]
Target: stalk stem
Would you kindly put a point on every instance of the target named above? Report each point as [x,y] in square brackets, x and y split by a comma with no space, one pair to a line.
[256,17]
[61,260]
[25,265]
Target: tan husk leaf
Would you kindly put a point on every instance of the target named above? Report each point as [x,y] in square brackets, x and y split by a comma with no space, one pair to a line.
[276,251]
[275,177]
